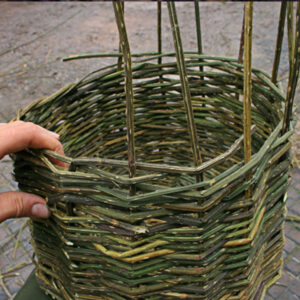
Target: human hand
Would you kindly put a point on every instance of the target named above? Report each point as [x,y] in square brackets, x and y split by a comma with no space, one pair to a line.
[15,137]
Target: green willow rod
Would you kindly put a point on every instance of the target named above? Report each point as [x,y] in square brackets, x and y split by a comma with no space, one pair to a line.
[198,30]
[293,75]
[159,38]
[279,41]
[241,50]
[120,47]
[128,90]
[199,39]
[153,55]
[247,82]
[184,83]
[290,30]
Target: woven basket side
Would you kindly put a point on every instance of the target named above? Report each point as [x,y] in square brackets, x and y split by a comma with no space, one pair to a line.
[245,251]
[160,200]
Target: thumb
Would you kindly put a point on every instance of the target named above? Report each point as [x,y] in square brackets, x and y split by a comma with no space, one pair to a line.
[19,204]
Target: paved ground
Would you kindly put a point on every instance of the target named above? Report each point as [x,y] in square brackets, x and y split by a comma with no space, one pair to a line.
[49,31]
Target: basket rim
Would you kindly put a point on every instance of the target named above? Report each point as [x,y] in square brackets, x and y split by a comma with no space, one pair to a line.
[236,171]
[156,167]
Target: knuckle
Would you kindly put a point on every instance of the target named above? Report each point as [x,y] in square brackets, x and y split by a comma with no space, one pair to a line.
[19,207]
[31,127]
[19,122]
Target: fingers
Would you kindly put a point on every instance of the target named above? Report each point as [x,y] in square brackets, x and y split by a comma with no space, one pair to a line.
[19,135]
[19,204]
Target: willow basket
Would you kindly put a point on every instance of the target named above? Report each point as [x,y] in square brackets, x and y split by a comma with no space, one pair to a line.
[162,226]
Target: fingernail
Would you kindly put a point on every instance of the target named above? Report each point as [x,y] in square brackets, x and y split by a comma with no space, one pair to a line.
[40,211]
[56,135]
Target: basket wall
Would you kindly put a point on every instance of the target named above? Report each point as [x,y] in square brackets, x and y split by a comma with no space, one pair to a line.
[176,237]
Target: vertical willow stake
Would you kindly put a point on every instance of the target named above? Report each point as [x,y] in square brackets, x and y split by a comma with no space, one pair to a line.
[290,30]
[293,75]
[198,29]
[128,91]
[247,83]
[199,42]
[159,41]
[279,41]
[120,48]
[185,85]
[241,50]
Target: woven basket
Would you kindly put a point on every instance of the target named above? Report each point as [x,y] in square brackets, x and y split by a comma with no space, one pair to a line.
[160,200]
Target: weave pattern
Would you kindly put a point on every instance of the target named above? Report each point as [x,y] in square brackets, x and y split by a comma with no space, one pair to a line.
[177,217]
[174,237]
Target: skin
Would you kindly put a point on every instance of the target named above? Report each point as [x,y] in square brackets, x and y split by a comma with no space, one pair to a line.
[15,137]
